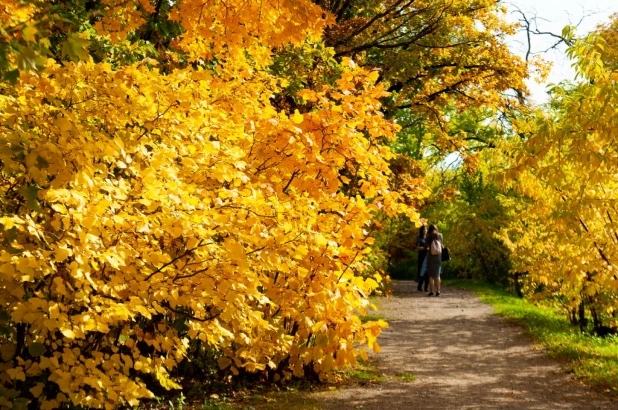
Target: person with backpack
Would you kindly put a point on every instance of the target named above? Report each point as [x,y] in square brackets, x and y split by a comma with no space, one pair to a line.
[434,259]
[421,275]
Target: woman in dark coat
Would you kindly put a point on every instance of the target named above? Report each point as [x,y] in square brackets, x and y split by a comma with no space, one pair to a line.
[434,262]
[421,247]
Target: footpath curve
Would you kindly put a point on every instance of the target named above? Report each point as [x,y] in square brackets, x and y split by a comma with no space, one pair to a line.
[464,357]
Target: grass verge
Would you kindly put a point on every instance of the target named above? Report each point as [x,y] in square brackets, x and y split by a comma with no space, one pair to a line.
[405,376]
[593,359]
[364,371]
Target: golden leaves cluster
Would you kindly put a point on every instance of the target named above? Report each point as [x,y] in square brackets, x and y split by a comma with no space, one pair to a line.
[134,198]
[566,234]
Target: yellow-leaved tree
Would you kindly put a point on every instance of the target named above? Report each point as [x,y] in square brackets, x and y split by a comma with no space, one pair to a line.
[565,236]
[154,199]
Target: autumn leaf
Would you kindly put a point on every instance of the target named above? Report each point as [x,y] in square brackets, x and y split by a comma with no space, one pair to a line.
[298,117]
[75,48]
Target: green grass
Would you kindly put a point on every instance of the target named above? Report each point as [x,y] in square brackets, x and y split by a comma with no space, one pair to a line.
[371,317]
[283,400]
[591,358]
[367,376]
[405,376]
[365,371]
[371,314]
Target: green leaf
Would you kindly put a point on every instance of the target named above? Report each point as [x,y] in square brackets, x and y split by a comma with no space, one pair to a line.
[7,351]
[12,76]
[36,349]
[42,162]
[20,404]
[29,191]
[75,48]
[30,194]
[28,60]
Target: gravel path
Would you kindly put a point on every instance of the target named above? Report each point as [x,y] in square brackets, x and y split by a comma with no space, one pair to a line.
[464,358]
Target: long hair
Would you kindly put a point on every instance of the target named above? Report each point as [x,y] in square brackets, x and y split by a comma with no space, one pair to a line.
[422,232]
[433,234]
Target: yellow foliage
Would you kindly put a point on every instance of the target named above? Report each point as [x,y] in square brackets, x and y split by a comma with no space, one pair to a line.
[134,197]
[565,236]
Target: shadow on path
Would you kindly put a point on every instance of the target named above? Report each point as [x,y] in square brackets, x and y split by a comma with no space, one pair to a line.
[464,358]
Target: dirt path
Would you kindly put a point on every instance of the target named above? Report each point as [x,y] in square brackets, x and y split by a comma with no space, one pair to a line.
[464,358]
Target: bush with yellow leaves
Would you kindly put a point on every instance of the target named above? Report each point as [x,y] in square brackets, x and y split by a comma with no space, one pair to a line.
[153,196]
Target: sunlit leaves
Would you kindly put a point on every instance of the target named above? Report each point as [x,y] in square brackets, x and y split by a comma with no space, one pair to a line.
[151,204]
[440,57]
[566,236]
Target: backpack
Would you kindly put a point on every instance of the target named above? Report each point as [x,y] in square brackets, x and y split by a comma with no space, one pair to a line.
[436,247]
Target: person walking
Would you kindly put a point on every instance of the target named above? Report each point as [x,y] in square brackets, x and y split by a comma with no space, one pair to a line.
[421,276]
[434,259]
